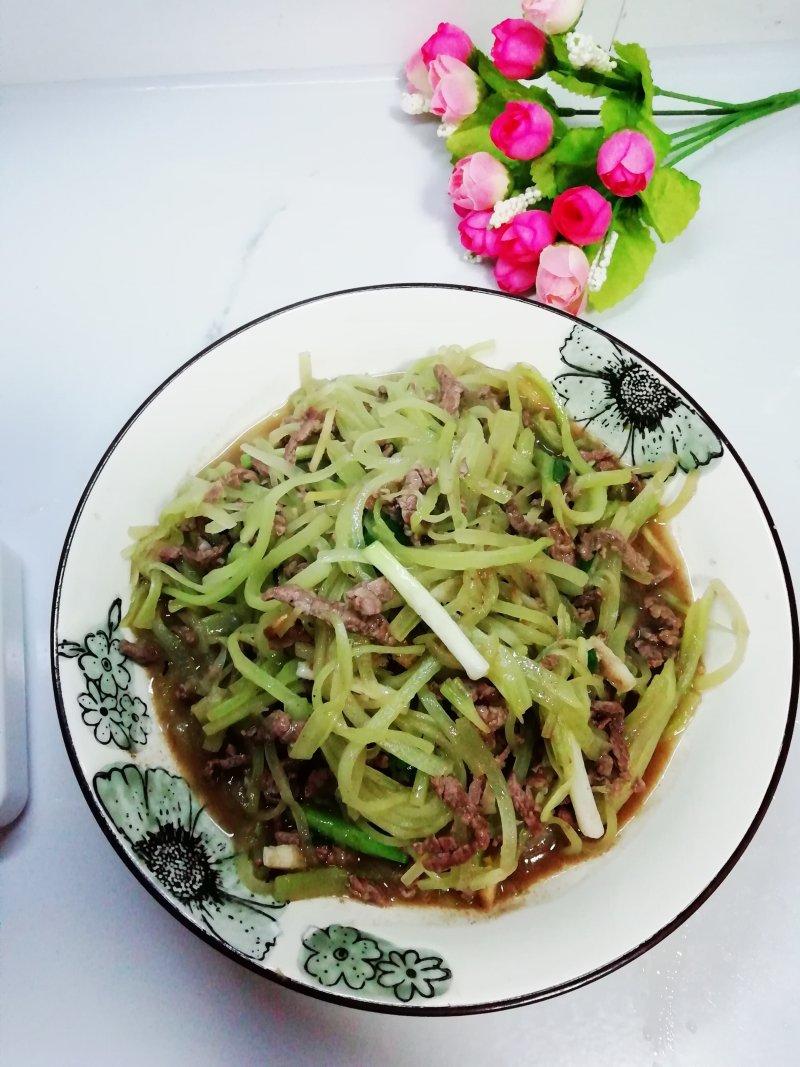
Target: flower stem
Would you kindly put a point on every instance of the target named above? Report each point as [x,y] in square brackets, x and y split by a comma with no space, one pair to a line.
[657,91]
[709,132]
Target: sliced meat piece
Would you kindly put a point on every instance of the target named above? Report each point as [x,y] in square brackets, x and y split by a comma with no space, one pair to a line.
[563,547]
[524,803]
[310,424]
[442,853]
[609,715]
[294,634]
[278,525]
[237,475]
[206,555]
[417,479]
[334,856]
[145,653]
[494,715]
[483,692]
[659,632]
[308,603]
[550,661]
[231,761]
[602,459]
[369,892]
[169,553]
[450,389]
[261,469]
[287,837]
[293,566]
[586,606]
[519,524]
[368,598]
[452,794]
[280,727]
[592,541]
[320,780]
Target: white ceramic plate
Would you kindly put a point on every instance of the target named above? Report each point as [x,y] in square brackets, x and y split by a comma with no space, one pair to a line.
[566,931]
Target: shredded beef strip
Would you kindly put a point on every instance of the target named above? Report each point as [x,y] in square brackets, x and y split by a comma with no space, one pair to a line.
[563,548]
[452,794]
[232,761]
[334,856]
[494,715]
[235,477]
[586,605]
[602,459]
[609,715]
[261,469]
[308,603]
[524,803]
[519,524]
[279,727]
[310,424]
[659,632]
[450,389]
[146,653]
[418,478]
[368,598]
[441,853]
[550,661]
[320,780]
[378,893]
[278,525]
[287,837]
[592,541]
[293,635]
[293,566]
[483,693]
[205,555]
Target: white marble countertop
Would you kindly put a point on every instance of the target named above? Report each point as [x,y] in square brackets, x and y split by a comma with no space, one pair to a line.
[138,221]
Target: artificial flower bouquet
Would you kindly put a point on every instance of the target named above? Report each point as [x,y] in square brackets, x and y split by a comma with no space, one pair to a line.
[570,212]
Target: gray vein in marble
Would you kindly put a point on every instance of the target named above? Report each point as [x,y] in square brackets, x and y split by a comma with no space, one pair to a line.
[219,324]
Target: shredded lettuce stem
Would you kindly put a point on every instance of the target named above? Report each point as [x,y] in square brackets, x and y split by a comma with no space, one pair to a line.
[477,598]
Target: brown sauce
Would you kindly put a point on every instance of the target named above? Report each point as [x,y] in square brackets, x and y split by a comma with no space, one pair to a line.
[224,799]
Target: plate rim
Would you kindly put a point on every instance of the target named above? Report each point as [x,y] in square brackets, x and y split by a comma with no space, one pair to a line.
[536,996]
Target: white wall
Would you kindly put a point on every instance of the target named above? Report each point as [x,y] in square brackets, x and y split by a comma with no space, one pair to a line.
[54,40]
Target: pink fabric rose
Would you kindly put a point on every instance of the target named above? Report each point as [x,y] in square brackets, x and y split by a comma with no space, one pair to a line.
[417,74]
[478,182]
[476,236]
[518,49]
[552,16]
[525,237]
[449,40]
[562,277]
[522,130]
[625,162]
[581,214]
[514,277]
[456,89]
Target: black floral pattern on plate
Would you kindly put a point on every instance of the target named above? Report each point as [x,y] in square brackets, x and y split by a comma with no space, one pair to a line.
[628,406]
[366,964]
[112,713]
[161,823]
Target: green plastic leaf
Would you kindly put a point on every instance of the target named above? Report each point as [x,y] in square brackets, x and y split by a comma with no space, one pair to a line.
[579,145]
[670,201]
[510,89]
[588,84]
[635,57]
[543,174]
[630,261]
[472,135]
[619,113]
